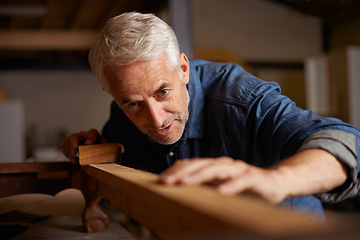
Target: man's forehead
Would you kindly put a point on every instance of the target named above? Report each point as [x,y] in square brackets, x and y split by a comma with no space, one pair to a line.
[157,64]
[125,82]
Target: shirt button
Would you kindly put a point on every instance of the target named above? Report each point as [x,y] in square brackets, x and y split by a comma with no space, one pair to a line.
[171,154]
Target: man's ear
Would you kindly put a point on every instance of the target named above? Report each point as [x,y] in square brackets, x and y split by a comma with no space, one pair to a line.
[184,68]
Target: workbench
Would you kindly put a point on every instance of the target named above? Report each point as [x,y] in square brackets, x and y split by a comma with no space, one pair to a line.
[170,212]
[37,177]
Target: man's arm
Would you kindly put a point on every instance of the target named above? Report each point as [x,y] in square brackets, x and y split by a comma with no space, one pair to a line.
[307,172]
[310,172]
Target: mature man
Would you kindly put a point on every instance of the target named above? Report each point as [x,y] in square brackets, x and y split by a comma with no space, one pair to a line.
[222,122]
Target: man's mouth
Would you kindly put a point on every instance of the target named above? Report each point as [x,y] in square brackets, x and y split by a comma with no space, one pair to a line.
[165,130]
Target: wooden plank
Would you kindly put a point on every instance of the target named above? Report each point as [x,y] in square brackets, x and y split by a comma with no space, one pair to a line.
[113,8]
[8,168]
[99,153]
[58,16]
[89,14]
[47,39]
[193,210]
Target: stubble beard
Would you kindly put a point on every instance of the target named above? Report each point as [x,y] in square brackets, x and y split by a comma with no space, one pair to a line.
[175,135]
[179,118]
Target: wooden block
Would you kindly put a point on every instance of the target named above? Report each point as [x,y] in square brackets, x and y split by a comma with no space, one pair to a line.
[178,212]
[99,153]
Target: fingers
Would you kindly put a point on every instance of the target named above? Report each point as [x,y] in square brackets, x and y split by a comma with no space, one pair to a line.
[235,177]
[180,171]
[70,144]
[199,171]
[260,184]
[220,170]
[236,185]
[94,137]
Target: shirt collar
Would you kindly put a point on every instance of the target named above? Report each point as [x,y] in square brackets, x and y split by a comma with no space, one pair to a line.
[194,126]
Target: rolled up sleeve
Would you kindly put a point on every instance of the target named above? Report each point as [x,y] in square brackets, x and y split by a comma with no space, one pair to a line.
[342,145]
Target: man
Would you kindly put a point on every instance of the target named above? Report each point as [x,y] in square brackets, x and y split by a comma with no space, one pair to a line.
[194,121]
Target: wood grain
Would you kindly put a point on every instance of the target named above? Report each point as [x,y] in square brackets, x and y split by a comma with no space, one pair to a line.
[201,211]
[99,153]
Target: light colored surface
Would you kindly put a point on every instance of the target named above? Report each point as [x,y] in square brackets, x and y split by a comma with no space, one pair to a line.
[56,100]
[256,30]
[64,222]
[353,58]
[317,85]
[12,131]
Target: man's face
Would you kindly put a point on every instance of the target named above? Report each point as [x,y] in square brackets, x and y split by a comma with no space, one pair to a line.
[153,96]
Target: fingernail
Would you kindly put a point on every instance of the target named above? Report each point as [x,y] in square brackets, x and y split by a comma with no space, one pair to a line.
[224,189]
[167,180]
[187,179]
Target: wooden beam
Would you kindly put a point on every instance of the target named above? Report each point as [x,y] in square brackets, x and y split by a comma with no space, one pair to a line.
[87,17]
[113,8]
[47,40]
[190,211]
[59,13]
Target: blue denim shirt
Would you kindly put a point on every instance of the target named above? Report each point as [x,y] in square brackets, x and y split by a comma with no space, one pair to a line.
[231,113]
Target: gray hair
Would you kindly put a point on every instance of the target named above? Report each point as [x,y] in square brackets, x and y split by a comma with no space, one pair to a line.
[133,37]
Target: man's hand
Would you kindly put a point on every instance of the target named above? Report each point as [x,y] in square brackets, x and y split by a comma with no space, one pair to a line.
[308,172]
[233,176]
[70,144]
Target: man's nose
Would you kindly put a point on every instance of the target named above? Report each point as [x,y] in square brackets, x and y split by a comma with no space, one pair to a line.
[155,114]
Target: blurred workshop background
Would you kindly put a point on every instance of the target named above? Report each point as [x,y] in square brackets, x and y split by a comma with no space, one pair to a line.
[47,91]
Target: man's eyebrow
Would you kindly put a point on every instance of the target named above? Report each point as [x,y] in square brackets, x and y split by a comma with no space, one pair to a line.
[126,100]
[163,86]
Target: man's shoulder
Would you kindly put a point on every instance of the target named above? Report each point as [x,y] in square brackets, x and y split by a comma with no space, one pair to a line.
[200,65]
[225,81]
[220,73]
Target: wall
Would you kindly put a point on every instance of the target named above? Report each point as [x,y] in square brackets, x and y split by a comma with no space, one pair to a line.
[57,101]
[261,32]
[256,30]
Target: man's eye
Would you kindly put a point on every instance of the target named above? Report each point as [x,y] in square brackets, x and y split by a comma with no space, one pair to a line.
[132,105]
[164,92]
